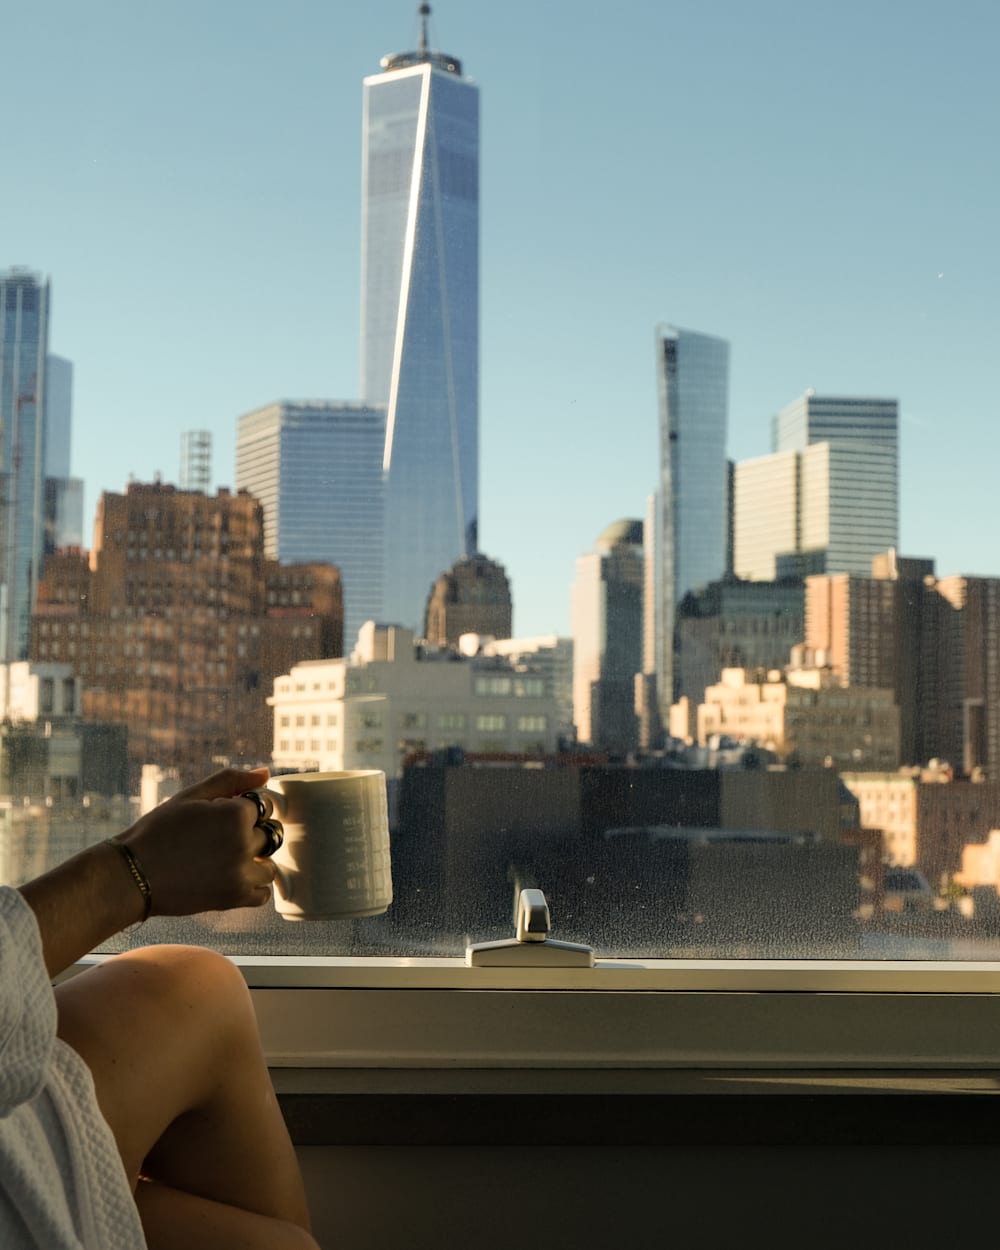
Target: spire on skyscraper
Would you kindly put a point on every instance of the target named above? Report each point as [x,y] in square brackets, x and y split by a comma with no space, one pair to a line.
[423,54]
[425,12]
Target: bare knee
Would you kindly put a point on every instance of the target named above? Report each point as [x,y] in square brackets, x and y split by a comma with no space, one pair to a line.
[180,1002]
[159,1028]
[191,990]
[184,977]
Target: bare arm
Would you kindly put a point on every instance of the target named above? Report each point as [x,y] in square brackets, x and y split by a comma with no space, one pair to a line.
[198,851]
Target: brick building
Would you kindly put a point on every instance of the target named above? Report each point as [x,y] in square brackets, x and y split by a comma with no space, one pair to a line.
[927,818]
[177,625]
[472,597]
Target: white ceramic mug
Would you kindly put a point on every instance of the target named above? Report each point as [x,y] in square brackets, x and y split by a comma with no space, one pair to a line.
[334,861]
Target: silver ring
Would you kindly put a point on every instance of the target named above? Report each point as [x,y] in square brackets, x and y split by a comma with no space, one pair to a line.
[275,834]
[257,798]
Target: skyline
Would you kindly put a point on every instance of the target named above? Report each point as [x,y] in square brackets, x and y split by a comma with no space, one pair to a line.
[810,189]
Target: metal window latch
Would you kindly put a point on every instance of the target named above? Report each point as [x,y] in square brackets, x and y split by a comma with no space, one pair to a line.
[532,947]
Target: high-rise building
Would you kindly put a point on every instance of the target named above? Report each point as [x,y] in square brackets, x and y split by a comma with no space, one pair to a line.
[826,500]
[766,513]
[968,656]
[736,624]
[420,313]
[63,504]
[869,424]
[690,518]
[24,335]
[882,630]
[196,460]
[315,468]
[607,638]
[176,624]
[472,597]
[58,415]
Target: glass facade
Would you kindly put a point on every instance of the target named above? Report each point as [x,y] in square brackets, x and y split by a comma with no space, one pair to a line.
[849,492]
[316,470]
[420,317]
[24,332]
[691,509]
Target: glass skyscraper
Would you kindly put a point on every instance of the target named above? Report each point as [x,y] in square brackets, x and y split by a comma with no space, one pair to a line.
[827,498]
[63,511]
[316,469]
[690,512]
[24,333]
[850,489]
[420,314]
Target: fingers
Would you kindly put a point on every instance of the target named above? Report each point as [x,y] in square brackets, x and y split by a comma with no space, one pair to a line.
[262,804]
[226,784]
[274,835]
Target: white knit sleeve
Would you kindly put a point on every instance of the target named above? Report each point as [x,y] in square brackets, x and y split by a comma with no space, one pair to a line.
[27,1004]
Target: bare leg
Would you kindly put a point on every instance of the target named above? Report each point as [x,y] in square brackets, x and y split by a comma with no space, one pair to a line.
[174,1219]
[171,1039]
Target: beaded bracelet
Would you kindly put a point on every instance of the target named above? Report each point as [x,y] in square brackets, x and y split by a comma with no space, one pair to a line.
[138,876]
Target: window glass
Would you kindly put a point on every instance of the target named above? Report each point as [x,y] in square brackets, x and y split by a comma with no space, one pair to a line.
[648,552]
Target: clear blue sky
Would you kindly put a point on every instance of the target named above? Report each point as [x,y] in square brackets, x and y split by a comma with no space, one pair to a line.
[817,183]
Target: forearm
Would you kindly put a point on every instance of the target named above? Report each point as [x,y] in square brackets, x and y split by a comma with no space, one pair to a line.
[82,902]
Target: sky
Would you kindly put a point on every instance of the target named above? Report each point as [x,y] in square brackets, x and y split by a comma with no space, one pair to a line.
[816,183]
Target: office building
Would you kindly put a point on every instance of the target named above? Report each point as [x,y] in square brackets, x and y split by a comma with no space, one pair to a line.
[869,424]
[964,644]
[606,621]
[395,698]
[933,641]
[63,494]
[827,498]
[736,624]
[196,460]
[315,467]
[879,631]
[472,597]
[176,624]
[766,513]
[551,658]
[690,514]
[420,314]
[24,340]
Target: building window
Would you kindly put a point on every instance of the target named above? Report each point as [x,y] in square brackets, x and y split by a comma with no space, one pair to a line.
[493,685]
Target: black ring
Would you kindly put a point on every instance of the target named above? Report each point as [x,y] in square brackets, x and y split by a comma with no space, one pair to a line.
[255,797]
[275,834]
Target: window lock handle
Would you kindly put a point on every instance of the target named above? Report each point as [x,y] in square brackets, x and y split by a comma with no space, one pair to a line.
[532,947]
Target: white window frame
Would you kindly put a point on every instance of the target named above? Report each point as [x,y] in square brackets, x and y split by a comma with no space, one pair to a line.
[317,1012]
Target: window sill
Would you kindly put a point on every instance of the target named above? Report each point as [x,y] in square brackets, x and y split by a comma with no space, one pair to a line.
[737,1015]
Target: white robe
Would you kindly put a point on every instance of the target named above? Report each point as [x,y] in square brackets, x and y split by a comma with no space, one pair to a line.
[62,1182]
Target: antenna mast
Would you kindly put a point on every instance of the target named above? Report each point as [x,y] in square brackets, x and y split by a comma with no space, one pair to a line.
[424,12]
